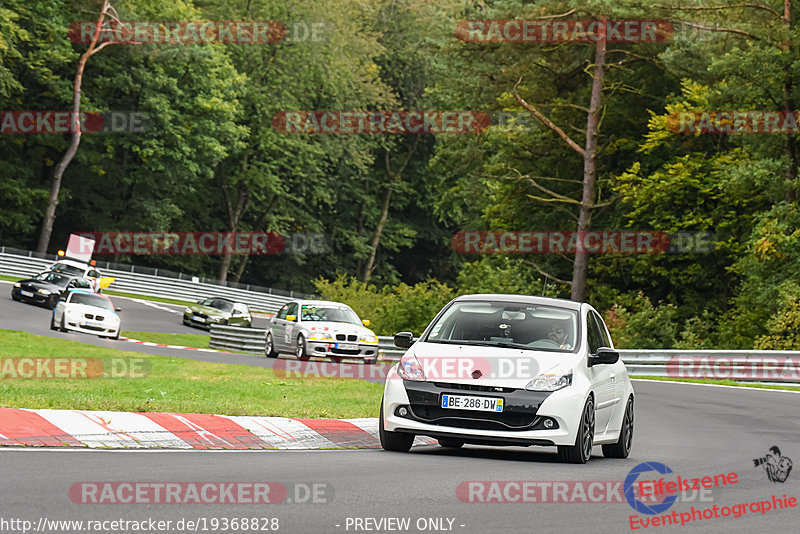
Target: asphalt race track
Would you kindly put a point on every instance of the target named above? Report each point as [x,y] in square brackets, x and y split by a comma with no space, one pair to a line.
[695,430]
[135,316]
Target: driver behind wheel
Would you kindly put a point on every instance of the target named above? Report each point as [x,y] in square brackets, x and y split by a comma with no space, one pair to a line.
[558,334]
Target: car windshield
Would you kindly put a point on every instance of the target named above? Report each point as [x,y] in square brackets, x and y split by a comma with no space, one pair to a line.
[53,278]
[218,304]
[64,268]
[91,300]
[507,324]
[336,314]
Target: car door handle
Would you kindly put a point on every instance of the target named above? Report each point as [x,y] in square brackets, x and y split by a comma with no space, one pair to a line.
[613,377]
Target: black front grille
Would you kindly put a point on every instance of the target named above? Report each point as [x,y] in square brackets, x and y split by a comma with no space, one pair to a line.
[345,352]
[349,337]
[474,387]
[471,419]
[93,328]
[519,413]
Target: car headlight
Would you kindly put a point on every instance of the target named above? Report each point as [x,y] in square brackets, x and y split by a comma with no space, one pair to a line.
[368,338]
[187,310]
[17,284]
[320,336]
[410,369]
[550,381]
[43,291]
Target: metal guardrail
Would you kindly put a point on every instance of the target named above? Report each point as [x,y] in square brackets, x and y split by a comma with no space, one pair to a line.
[153,285]
[659,363]
[225,337]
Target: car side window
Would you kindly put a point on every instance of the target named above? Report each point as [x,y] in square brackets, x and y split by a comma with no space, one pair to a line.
[293,309]
[283,312]
[605,340]
[593,335]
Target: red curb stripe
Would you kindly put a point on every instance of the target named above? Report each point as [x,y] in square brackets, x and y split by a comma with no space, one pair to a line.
[342,433]
[203,431]
[20,427]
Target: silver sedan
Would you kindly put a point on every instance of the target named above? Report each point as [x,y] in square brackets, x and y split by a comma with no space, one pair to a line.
[308,328]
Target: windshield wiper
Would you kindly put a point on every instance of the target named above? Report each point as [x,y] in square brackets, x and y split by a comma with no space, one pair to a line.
[502,344]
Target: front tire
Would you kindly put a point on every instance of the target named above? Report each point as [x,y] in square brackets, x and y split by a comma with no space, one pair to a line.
[53,322]
[63,327]
[302,350]
[622,448]
[581,451]
[269,347]
[393,441]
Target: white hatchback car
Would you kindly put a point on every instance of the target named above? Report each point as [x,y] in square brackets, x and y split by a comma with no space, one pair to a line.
[511,370]
[84,311]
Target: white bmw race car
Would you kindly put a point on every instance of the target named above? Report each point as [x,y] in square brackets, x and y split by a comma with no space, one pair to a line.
[88,312]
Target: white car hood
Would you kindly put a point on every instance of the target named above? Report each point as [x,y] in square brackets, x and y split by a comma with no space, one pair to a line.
[498,366]
[338,328]
[94,310]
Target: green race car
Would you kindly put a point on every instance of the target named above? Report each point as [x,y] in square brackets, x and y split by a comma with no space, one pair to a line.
[217,310]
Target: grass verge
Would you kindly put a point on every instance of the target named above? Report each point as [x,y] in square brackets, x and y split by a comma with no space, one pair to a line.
[177,385]
[719,382]
[187,340]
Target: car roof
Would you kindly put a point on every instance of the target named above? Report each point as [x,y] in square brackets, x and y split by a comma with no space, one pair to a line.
[88,292]
[224,298]
[322,303]
[74,263]
[527,299]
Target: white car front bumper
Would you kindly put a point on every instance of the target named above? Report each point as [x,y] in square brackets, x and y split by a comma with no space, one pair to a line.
[564,407]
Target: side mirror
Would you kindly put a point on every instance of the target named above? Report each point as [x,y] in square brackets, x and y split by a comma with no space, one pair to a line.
[236,312]
[366,322]
[403,340]
[117,309]
[291,318]
[604,356]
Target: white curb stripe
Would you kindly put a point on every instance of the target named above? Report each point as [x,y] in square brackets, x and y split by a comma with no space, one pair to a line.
[112,429]
[283,433]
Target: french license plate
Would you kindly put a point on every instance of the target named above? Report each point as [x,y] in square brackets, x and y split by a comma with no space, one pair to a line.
[464,402]
[26,293]
[347,346]
[199,319]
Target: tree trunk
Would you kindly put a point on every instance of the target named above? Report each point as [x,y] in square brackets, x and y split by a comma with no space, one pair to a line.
[393,177]
[790,145]
[256,228]
[376,238]
[580,268]
[52,203]
[235,216]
